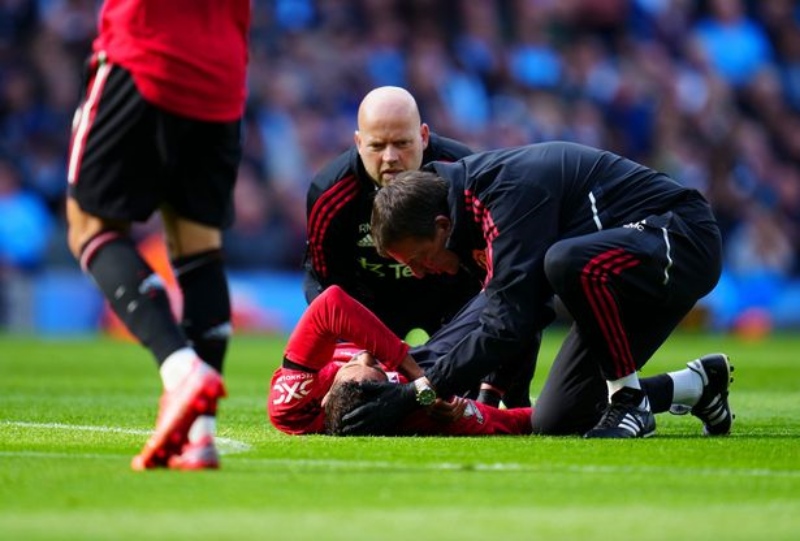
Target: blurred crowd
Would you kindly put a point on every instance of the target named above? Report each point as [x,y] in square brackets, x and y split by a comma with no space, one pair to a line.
[706,91]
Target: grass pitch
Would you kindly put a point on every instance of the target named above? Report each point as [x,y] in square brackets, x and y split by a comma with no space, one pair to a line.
[73,413]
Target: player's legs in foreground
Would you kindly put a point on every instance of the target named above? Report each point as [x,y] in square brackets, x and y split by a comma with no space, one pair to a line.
[198,264]
[137,296]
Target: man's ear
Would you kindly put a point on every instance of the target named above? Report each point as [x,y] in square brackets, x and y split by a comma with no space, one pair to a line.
[325,398]
[443,223]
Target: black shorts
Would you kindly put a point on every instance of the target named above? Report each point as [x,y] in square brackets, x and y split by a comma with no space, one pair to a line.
[129,157]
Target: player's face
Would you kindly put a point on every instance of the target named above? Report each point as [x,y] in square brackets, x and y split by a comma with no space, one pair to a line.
[391,146]
[426,256]
[362,368]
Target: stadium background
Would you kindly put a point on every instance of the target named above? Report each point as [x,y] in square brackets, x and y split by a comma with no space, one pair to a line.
[707,91]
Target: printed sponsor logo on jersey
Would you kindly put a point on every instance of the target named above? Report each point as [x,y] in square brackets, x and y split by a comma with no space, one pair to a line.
[291,387]
[397,271]
[375,268]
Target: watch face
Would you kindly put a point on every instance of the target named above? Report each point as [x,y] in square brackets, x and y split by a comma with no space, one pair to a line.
[426,396]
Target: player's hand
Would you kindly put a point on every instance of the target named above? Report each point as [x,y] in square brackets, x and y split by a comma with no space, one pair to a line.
[385,405]
[448,411]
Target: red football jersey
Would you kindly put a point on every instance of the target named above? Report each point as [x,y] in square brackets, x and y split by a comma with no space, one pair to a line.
[186,56]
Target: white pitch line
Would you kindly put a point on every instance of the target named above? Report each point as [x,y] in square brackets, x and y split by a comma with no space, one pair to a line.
[225,446]
[85,428]
[59,454]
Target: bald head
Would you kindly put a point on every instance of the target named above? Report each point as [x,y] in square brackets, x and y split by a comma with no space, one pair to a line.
[388,103]
[391,136]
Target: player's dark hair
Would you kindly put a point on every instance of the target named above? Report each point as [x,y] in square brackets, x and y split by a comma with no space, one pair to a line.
[407,207]
[343,398]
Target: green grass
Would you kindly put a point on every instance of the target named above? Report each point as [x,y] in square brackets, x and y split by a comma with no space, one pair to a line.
[72,414]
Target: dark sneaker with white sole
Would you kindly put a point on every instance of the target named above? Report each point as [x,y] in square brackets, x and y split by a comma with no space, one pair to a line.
[713,408]
[624,418]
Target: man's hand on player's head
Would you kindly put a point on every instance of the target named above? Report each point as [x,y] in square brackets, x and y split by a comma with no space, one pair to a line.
[385,405]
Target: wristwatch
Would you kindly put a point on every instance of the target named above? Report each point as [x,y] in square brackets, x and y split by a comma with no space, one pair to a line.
[425,393]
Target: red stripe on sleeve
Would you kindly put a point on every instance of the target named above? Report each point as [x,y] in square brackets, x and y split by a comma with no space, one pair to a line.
[323,212]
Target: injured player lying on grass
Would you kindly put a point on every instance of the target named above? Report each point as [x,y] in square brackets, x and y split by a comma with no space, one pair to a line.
[337,345]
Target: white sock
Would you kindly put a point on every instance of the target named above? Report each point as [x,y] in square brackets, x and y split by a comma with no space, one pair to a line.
[688,387]
[177,366]
[203,426]
[631,380]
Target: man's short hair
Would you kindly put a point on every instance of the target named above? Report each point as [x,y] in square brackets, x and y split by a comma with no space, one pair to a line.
[343,398]
[407,207]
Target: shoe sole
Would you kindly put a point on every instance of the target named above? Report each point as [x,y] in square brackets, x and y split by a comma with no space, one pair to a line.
[190,465]
[631,437]
[171,432]
[178,463]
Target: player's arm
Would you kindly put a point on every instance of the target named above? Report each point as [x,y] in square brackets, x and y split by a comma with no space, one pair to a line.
[335,316]
[409,367]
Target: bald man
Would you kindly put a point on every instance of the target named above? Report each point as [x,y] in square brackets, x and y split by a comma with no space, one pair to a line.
[391,138]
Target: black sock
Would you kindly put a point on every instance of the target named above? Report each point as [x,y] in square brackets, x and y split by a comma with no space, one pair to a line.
[659,390]
[206,304]
[136,294]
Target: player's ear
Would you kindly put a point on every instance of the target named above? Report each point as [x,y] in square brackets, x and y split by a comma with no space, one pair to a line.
[357,138]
